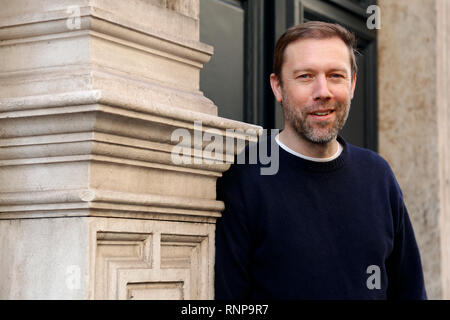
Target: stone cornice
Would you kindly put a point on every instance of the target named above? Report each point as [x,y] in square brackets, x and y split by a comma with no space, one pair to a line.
[94,99]
[97,130]
[92,202]
[98,20]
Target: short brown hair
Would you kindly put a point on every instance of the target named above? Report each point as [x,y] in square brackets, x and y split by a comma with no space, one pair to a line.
[313,30]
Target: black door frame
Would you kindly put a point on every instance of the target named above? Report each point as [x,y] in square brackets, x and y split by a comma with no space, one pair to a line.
[266,20]
[259,47]
[352,16]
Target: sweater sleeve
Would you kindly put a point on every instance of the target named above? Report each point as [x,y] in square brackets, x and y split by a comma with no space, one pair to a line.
[232,280]
[404,267]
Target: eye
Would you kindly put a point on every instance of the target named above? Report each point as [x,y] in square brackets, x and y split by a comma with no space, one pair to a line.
[304,76]
[337,75]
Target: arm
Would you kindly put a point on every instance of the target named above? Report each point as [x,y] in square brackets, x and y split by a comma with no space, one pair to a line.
[232,267]
[404,266]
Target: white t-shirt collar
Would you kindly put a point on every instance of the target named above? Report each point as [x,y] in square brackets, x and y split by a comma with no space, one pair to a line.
[286,148]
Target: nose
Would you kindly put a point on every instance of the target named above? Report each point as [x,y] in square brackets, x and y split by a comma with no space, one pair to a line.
[321,91]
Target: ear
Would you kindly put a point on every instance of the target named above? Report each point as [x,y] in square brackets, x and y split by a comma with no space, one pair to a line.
[276,87]
[353,85]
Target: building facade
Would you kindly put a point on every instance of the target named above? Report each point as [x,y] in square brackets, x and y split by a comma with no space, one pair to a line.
[92,203]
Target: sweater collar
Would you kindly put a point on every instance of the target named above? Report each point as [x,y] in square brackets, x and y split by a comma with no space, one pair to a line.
[314,166]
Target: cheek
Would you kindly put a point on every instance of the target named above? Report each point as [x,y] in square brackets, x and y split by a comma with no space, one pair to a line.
[342,93]
[300,96]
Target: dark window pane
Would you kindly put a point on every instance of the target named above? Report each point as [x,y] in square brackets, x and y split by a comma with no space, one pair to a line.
[354,129]
[359,126]
[221,80]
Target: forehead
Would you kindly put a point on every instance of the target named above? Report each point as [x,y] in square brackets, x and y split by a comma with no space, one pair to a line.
[317,54]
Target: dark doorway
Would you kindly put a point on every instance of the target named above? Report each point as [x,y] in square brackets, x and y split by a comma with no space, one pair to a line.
[244,32]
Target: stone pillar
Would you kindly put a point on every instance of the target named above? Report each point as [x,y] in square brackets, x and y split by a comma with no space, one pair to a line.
[91,204]
[443,112]
[414,123]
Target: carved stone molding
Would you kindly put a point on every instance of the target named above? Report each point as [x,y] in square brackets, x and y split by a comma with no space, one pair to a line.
[87,117]
[162,264]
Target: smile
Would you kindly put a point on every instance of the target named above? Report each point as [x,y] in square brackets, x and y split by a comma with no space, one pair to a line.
[322,115]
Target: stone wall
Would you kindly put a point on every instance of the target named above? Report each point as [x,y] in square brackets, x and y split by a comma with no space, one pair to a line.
[92,205]
[411,115]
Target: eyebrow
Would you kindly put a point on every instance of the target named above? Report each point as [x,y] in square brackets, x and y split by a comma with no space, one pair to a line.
[313,70]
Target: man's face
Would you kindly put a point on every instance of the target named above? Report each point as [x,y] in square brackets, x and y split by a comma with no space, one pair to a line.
[316,88]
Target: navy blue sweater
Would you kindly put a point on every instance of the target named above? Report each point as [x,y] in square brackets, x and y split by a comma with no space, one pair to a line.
[316,230]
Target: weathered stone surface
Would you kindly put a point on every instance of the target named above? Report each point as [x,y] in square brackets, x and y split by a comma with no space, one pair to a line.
[128,48]
[92,204]
[413,122]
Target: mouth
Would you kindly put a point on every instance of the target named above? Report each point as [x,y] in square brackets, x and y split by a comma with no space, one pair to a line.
[322,114]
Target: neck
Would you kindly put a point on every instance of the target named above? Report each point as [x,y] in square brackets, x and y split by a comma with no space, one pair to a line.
[299,144]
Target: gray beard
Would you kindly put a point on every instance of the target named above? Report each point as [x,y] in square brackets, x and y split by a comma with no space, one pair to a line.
[297,119]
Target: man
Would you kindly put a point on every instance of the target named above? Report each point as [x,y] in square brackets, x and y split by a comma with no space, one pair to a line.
[331,223]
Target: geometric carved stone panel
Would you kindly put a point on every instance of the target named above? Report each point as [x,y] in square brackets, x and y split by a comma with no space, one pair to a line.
[150,266]
[155,291]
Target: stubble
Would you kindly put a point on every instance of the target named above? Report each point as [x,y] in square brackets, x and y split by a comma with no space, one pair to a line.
[319,132]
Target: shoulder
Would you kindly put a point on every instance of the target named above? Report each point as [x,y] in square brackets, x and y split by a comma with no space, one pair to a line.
[376,168]
[248,163]
[241,172]
[369,160]
[243,176]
